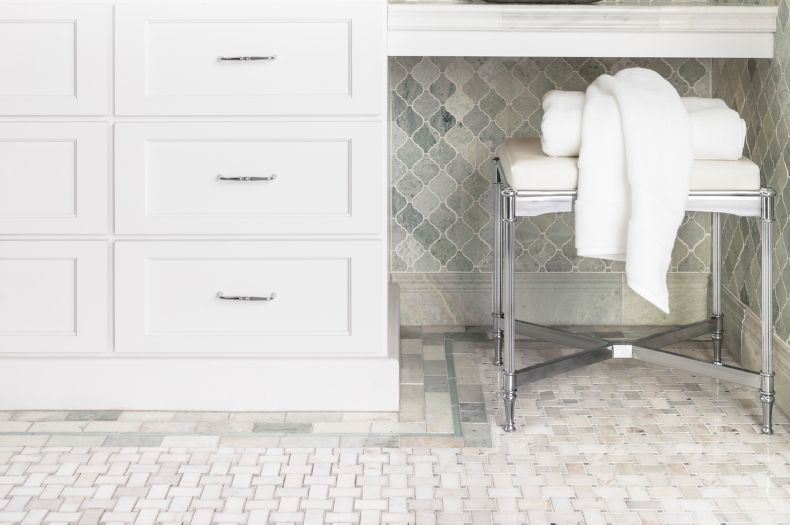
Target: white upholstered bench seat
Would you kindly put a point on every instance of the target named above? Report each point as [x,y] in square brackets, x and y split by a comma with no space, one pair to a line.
[527,168]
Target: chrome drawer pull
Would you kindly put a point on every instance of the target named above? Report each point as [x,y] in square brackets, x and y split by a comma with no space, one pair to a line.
[247,59]
[220,295]
[247,179]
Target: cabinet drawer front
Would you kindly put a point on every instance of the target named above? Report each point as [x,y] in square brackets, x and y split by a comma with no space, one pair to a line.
[308,57]
[53,59]
[271,297]
[307,178]
[53,178]
[53,297]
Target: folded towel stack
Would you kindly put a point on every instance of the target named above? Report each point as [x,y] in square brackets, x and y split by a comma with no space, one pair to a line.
[636,141]
[718,132]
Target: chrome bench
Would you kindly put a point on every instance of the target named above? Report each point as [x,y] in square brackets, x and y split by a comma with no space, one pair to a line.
[528,183]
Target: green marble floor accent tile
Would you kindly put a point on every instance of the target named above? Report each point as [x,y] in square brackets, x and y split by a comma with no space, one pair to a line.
[434,368]
[283,428]
[448,349]
[412,403]
[433,339]
[473,413]
[467,376]
[134,440]
[357,427]
[470,393]
[434,352]
[411,371]
[436,384]
[93,415]
[410,347]
[410,332]
[370,441]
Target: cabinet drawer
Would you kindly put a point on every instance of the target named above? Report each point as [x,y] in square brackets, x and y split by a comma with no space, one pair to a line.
[53,297]
[53,58]
[309,57]
[317,178]
[53,178]
[312,297]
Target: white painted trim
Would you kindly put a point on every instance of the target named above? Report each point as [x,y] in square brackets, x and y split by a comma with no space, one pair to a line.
[536,43]
[182,383]
[615,18]
[702,31]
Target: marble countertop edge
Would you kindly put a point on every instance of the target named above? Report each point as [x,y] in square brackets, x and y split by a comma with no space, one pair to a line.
[599,17]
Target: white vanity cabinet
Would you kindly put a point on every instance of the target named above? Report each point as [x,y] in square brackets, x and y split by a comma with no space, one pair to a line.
[248,177]
[193,200]
[284,57]
[53,297]
[53,177]
[281,298]
[54,58]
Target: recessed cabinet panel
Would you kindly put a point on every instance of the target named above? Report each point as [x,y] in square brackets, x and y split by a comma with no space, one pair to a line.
[314,177]
[268,297]
[283,58]
[53,297]
[53,178]
[53,58]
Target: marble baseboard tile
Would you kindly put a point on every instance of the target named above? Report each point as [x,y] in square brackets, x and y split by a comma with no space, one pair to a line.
[733,311]
[688,302]
[745,327]
[570,298]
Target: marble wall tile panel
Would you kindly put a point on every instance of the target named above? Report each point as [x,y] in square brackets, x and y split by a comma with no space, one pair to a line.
[448,116]
[760,90]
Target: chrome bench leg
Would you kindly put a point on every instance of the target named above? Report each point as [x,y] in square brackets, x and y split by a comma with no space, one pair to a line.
[767,373]
[718,332]
[509,306]
[496,295]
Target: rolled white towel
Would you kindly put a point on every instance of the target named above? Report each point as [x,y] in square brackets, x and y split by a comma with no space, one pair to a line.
[700,103]
[561,128]
[718,132]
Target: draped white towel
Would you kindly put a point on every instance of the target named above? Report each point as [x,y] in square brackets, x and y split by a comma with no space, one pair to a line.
[718,132]
[634,171]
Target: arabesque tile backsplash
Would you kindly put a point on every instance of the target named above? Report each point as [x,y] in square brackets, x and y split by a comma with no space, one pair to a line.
[448,116]
[760,90]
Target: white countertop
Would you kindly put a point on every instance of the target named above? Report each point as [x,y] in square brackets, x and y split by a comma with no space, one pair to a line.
[607,28]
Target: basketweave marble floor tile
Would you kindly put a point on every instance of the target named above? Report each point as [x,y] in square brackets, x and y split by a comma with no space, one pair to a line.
[618,442]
